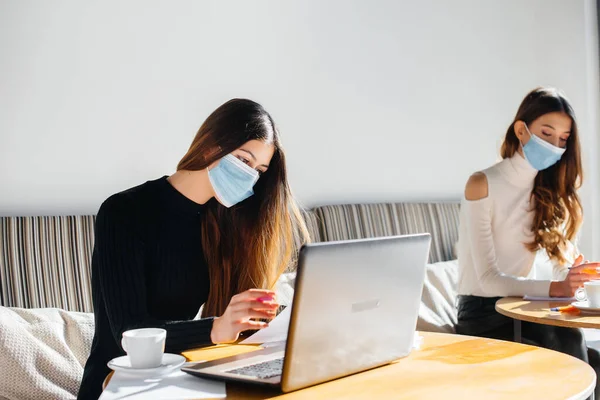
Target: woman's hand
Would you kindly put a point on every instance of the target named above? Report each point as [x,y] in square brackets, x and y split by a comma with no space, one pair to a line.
[238,317]
[579,273]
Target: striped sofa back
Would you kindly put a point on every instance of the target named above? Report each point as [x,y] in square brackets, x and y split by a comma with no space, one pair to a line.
[361,221]
[45,262]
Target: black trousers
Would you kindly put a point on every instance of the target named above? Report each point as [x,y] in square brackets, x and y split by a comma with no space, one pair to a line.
[477,316]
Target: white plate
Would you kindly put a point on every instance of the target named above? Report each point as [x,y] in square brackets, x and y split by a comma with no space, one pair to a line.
[169,363]
[584,306]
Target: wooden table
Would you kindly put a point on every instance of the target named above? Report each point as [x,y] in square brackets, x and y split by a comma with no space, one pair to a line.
[539,312]
[446,367]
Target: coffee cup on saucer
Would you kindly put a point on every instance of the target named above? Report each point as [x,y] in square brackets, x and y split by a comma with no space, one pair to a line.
[592,292]
[145,347]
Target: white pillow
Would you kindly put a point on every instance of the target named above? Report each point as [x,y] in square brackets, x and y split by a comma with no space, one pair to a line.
[43,352]
[438,300]
[285,288]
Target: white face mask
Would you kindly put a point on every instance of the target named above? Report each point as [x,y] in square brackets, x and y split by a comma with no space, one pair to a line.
[232,180]
[541,154]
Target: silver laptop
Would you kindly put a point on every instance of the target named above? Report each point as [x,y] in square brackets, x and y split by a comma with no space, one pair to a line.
[355,307]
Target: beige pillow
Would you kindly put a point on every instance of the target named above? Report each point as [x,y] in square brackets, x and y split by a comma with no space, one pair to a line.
[438,300]
[43,352]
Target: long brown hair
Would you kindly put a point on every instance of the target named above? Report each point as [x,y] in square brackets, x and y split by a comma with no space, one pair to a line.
[558,212]
[250,244]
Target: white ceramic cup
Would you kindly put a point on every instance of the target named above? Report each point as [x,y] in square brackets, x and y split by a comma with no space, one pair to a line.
[592,292]
[145,347]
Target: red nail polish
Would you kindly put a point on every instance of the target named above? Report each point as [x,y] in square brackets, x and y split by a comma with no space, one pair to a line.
[265,299]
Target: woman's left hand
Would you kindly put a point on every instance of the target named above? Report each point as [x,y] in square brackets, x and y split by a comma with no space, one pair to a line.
[241,313]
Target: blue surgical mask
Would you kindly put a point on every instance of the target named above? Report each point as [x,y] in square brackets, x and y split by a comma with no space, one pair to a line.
[541,154]
[232,180]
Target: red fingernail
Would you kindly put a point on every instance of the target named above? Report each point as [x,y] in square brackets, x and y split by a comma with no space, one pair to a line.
[265,299]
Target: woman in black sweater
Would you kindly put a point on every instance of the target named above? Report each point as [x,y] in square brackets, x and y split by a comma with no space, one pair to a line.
[217,233]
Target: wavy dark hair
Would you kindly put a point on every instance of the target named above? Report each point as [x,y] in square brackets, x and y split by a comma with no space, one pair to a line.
[250,244]
[558,212]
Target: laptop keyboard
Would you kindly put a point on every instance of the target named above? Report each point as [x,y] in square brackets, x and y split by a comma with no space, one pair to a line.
[263,370]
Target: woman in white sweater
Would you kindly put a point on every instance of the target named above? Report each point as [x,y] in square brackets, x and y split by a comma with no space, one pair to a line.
[519,220]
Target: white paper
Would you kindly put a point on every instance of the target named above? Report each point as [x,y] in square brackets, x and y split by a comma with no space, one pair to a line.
[546,298]
[276,331]
[176,385]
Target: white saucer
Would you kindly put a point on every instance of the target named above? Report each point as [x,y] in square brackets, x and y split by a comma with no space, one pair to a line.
[169,363]
[584,306]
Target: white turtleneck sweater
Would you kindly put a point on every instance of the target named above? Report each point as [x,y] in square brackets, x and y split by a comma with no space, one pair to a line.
[492,257]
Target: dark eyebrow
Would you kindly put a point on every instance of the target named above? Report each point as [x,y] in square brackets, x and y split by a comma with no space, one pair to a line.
[551,127]
[253,157]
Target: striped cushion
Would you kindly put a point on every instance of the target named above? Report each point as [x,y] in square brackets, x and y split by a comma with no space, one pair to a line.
[313,225]
[45,262]
[358,221]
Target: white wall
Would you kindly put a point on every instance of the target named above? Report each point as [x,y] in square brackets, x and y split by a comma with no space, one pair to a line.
[376,101]
[591,191]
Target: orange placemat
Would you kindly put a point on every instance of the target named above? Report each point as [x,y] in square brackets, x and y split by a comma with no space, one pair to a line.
[219,351]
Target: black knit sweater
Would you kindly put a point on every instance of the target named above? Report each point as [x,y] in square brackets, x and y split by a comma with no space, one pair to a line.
[148,270]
